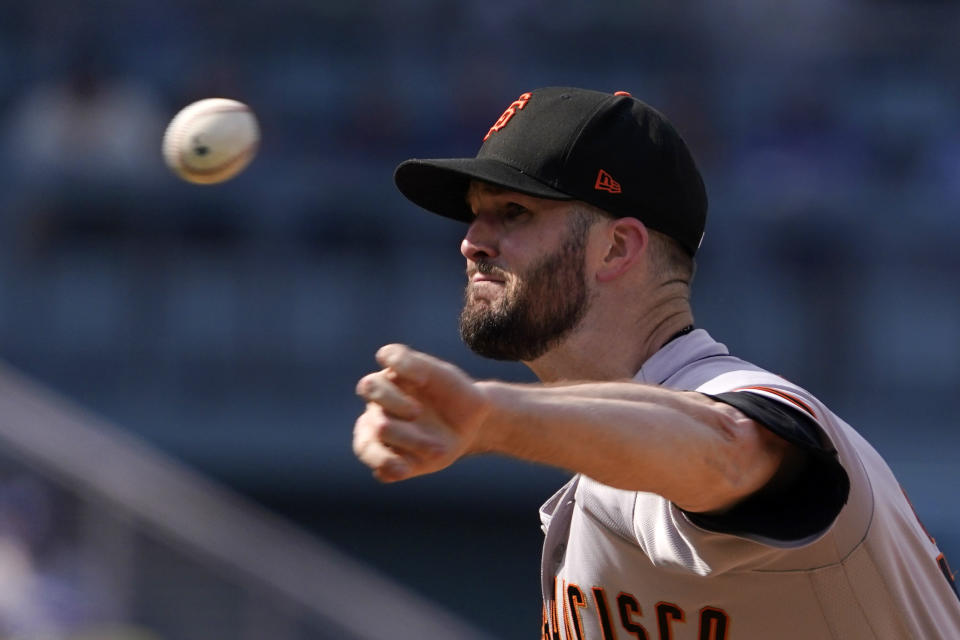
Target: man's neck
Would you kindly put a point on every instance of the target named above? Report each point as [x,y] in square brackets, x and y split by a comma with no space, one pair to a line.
[608,352]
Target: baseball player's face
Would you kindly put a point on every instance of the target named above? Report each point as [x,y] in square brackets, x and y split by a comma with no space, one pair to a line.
[526,286]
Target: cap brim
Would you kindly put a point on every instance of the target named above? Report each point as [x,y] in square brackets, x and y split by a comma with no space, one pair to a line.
[440,186]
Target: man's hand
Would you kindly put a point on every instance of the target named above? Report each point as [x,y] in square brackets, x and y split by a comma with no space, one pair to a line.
[422,415]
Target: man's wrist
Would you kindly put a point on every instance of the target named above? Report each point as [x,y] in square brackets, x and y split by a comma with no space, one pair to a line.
[489,437]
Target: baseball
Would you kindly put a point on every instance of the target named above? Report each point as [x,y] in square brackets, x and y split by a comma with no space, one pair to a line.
[211,140]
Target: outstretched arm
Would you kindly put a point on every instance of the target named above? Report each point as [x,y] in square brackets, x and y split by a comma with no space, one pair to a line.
[423,414]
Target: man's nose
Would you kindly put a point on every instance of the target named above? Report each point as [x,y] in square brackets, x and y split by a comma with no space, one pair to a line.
[479,242]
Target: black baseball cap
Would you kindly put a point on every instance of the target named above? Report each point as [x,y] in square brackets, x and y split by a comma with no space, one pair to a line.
[610,150]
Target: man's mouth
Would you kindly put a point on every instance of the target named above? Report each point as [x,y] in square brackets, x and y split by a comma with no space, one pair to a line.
[479,277]
[484,286]
[485,272]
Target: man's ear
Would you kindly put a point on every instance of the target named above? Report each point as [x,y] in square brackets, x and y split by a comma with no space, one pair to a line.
[627,239]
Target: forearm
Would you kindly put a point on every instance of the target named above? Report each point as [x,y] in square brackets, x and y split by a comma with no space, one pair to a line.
[699,454]
[424,414]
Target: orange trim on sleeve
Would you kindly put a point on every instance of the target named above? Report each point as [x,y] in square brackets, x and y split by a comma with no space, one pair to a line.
[782,394]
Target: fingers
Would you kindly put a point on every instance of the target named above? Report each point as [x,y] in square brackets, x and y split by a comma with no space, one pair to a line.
[410,440]
[384,439]
[415,406]
[412,366]
[379,389]
[387,465]
[428,378]
[395,449]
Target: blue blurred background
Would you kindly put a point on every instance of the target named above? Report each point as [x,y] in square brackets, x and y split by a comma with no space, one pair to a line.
[227,325]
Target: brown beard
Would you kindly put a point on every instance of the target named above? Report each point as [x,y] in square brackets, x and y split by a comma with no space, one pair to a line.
[547,304]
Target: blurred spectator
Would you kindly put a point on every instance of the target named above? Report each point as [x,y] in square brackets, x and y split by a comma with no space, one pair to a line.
[43,594]
[87,125]
[82,148]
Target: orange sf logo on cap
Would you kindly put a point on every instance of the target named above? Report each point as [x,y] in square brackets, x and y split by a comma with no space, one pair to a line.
[504,118]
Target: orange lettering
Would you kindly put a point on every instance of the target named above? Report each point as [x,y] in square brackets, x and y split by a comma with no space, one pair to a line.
[667,612]
[576,601]
[714,624]
[516,105]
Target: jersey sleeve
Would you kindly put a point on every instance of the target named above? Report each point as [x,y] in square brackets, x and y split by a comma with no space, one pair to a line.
[815,521]
[804,505]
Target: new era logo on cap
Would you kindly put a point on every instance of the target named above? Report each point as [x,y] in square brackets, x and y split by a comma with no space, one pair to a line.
[605,182]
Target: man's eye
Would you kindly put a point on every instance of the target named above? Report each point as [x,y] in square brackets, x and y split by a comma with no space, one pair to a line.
[515,213]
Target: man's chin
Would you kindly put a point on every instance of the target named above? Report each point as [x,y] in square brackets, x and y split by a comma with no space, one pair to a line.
[490,349]
[483,303]
[484,293]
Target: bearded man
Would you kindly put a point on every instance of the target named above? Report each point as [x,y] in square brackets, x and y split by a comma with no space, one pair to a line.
[710,499]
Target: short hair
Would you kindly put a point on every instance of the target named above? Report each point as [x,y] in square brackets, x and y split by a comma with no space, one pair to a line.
[585,215]
[670,259]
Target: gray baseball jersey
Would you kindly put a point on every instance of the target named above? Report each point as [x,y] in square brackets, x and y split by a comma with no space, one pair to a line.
[621,564]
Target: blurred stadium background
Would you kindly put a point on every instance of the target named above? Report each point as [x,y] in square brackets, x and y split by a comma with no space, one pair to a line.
[217,332]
